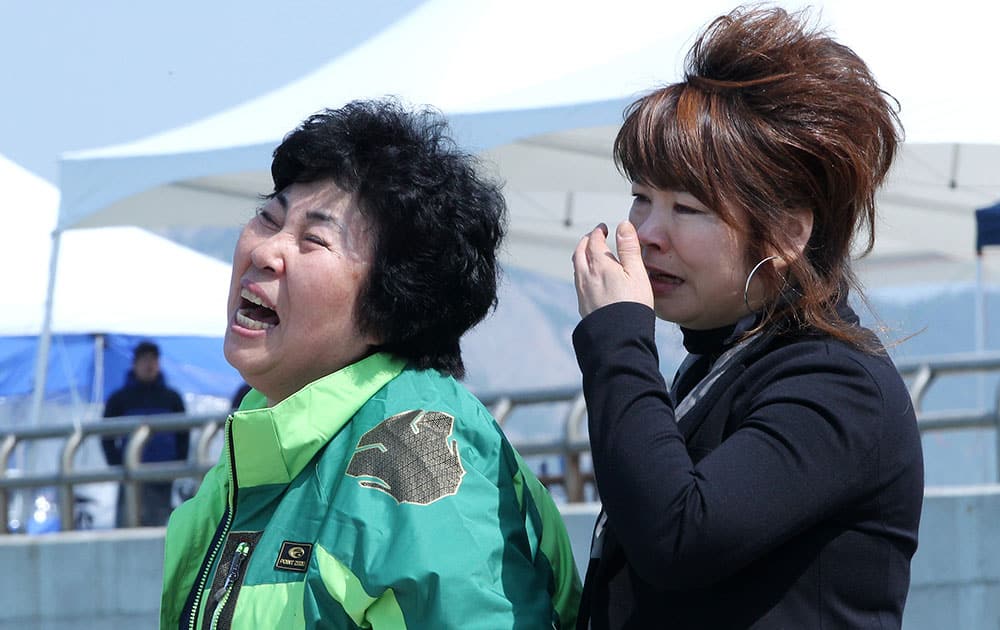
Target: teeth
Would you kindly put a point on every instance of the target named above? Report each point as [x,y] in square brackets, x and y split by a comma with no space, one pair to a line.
[250,297]
[252,324]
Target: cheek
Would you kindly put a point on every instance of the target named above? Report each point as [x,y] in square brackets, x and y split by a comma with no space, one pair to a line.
[241,262]
[241,253]
[734,250]
[731,270]
[241,256]
[234,290]
[338,295]
[352,296]
[239,267]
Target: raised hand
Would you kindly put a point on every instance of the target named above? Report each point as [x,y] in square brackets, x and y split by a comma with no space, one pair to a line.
[603,279]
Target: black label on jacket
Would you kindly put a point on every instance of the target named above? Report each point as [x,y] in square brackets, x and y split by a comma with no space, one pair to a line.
[294,556]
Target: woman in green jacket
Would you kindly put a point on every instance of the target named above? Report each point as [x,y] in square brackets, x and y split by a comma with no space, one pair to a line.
[361,486]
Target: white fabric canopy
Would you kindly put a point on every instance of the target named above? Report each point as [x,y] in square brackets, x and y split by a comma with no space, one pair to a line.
[540,87]
[109,280]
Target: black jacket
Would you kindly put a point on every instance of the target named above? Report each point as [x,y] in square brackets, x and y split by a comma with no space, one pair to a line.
[788,496]
[143,399]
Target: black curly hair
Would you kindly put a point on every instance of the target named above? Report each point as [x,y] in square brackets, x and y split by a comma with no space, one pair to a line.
[438,223]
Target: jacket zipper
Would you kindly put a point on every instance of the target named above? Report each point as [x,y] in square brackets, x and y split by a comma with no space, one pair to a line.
[216,546]
[222,595]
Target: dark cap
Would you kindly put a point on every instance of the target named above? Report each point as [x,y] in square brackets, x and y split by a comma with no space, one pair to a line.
[146,348]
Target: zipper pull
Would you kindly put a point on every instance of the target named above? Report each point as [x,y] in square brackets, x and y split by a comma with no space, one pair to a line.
[242,550]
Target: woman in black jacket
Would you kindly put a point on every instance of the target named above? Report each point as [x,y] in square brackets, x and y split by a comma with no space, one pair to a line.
[777,483]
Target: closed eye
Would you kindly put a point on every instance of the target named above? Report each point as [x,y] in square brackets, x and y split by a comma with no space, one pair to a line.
[316,240]
[267,219]
[683,209]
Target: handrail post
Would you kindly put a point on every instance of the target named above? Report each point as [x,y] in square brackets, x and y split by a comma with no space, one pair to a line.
[996,430]
[66,497]
[6,448]
[572,477]
[205,440]
[923,379]
[4,511]
[501,409]
[133,496]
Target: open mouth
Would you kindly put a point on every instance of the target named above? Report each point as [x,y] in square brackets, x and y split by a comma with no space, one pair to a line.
[253,314]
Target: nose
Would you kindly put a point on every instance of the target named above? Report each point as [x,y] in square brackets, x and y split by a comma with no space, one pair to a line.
[269,254]
[653,231]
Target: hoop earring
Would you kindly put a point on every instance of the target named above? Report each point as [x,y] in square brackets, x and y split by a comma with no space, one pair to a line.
[746,287]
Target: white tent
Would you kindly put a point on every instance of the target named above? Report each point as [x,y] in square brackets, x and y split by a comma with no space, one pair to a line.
[539,87]
[112,284]
[113,279]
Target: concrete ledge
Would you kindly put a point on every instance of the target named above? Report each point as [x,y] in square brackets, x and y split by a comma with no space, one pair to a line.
[580,519]
[955,576]
[111,579]
[106,579]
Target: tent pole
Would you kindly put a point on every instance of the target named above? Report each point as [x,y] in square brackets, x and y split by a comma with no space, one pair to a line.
[97,389]
[45,339]
[980,307]
[953,175]
[980,329]
[568,215]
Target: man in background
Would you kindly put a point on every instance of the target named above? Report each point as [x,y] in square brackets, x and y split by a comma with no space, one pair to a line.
[146,393]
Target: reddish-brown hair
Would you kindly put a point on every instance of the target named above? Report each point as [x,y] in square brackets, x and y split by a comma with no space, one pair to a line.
[774,116]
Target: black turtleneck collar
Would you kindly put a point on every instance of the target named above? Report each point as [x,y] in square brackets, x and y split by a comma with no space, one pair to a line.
[715,340]
[706,341]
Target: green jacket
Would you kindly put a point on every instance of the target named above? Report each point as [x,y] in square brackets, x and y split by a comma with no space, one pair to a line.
[376,497]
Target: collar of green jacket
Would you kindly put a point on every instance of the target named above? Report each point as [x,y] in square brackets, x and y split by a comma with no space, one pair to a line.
[268,449]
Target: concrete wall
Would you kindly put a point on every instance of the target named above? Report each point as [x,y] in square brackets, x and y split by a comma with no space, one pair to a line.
[956,572]
[80,580]
[111,579]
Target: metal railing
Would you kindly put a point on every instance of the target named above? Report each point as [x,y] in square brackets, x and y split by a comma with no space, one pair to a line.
[130,474]
[921,372]
[571,446]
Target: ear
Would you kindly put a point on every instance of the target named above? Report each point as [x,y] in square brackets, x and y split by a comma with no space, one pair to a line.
[800,227]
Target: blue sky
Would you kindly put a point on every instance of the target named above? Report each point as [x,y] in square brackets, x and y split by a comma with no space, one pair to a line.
[78,75]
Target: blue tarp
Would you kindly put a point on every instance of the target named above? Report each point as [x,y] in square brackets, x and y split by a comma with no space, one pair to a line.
[535,314]
[192,365]
[987,227]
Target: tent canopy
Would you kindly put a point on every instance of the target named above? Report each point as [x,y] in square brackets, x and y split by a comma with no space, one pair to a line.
[114,279]
[119,282]
[540,87]
[523,80]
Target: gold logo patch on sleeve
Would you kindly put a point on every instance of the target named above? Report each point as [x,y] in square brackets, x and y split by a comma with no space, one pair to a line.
[410,457]
[294,556]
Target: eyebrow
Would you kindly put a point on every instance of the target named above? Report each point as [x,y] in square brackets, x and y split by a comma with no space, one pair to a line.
[314,216]
[320,216]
